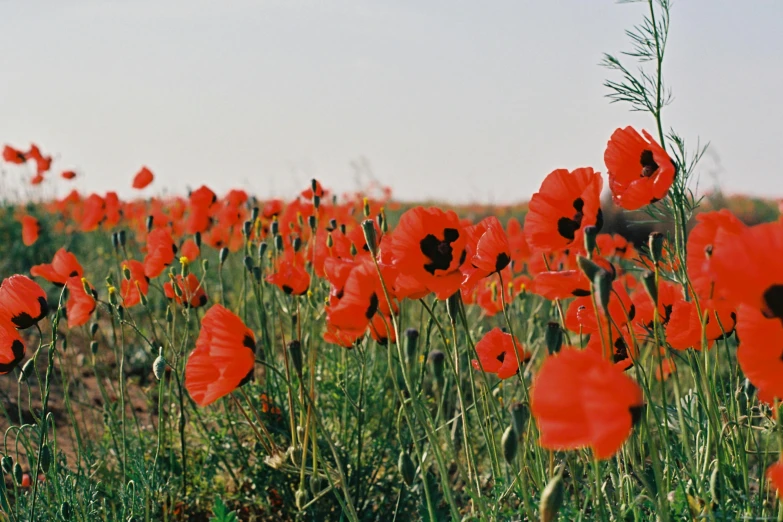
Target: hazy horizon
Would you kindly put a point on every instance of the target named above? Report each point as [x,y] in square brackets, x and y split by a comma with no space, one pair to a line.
[445,100]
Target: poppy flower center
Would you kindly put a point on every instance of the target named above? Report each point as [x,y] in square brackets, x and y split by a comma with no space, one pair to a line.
[501,357]
[648,164]
[439,251]
[773,302]
[636,413]
[373,307]
[502,261]
[566,226]
[620,350]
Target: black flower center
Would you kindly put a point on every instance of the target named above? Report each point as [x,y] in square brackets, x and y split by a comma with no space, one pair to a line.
[501,357]
[636,413]
[648,164]
[373,306]
[439,251]
[502,261]
[773,302]
[567,227]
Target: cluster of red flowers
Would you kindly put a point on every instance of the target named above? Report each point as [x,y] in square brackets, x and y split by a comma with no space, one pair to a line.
[371,268]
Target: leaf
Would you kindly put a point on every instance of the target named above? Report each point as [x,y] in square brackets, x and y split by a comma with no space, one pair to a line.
[221,512]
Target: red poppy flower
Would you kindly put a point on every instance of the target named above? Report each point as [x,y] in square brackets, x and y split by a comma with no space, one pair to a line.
[684,329]
[616,346]
[138,282]
[223,359]
[37,179]
[775,476]
[428,245]
[160,252]
[272,208]
[517,242]
[382,330]
[640,171]
[142,178]
[361,297]
[490,251]
[615,245]
[749,267]
[67,174]
[30,230]
[94,213]
[579,399]
[11,348]
[80,305]
[496,353]
[64,265]
[760,352]
[22,301]
[669,294]
[190,250]
[701,249]
[11,155]
[290,277]
[191,291]
[565,204]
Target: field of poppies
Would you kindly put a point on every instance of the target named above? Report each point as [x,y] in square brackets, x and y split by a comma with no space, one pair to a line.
[611,349]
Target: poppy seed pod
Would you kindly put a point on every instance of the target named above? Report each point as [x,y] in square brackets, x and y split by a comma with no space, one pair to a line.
[436,359]
[591,232]
[588,267]
[312,222]
[452,306]
[248,261]
[159,365]
[519,417]
[407,468]
[510,444]
[554,337]
[66,512]
[7,463]
[316,484]
[648,280]
[655,244]
[279,243]
[27,370]
[223,255]
[411,344]
[552,497]
[18,473]
[301,498]
[295,352]
[603,288]
[46,458]
[150,222]
[197,238]
[368,227]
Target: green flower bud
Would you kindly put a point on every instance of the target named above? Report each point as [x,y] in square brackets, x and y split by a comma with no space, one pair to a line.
[591,232]
[7,463]
[648,280]
[46,458]
[18,473]
[368,227]
[93,347]
[519,417]
[437,359]
[655,244]
[407,468]
[510,444]
[553,337]
[295,352]
[552,498]
[223,255]
[27,370]
[159,365]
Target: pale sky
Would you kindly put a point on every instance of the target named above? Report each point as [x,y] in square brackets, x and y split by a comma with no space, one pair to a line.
[468,101]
